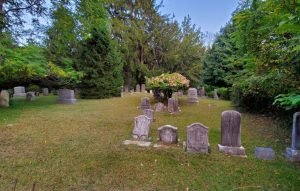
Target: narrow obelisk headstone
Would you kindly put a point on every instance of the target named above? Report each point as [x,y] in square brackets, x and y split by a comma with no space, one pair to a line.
[168,134]
[231,134]
[19,91]
[4,98]
[143,88]
[173,105]
[138,88]
[141,127]
[216,97]
[197,138]
[192,96]
[145,103]
[293,153]
[149,113]
[45,91]
[66,96]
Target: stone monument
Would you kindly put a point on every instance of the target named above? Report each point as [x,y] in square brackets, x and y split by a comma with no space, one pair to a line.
[30,96]
[168,134]
[45,91]
[141,127]
[216,97]
[293,153]
[197,138]
[149,113]
[143,88]
[173,105]
[160,107]
[66,96]
[4,98]
[145,103]
[138,88]
[19,91]
[192,96]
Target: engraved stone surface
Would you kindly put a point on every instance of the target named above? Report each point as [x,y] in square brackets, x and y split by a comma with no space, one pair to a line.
[143,88]
[149,113]
[45,91]
[138,88]
[145,103]
[160,107]
[293,153]
[173,105]
[192,96]
[141,127]
[4,98]
[231,133]
[168,134]
[197,138]
[264,153]
[19,91]
[66,96]
[216,97]
[30,96]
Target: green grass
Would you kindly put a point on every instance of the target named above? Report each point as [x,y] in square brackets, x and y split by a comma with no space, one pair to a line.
[79,147]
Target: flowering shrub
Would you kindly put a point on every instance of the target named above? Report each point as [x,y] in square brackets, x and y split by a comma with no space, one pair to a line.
[172,81]
[164,85]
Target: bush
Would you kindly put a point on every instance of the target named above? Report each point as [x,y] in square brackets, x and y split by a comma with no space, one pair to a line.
[224,93]
[33,88]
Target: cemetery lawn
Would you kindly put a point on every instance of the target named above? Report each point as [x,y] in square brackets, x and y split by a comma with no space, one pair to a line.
[79,147]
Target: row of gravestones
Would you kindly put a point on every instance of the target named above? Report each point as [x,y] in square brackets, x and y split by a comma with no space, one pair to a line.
[65,96]
[138,88]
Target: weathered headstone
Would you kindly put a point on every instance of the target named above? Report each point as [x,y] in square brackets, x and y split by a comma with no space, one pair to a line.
[168,134]
[145,103]
[173,105]
[201,92]
[141,127]
[19,91]
[264,153]
[231,134]
[192,96]
[143,88]
[4,98]
[126,89]
[160,107]
[45,91]
[180,93]
[216,94]
[293,153]
[138,88]
[149,113]
[30,96]
[197,138]
[175,95]
[66,96]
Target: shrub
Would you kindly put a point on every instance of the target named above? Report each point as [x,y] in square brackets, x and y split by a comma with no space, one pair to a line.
[224,93]
[33,88]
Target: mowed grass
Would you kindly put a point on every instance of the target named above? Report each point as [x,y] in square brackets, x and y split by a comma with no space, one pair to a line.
[79,147]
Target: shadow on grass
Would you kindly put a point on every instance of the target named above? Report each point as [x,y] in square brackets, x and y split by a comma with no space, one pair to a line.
[18,105]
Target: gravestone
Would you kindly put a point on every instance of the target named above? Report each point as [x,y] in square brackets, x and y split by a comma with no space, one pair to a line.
[30,96]
[138,88]
[145,103]
[201,92]
[126,89]
[143,88]
[216,94]
[173,105]
[45,91]
[168,134]
[149,113]
[141,127]
[180,93]
[175,95]
[160,107]
[192,96]
[264,153]
[4,98]
[293,153]
[231,134]
[66,96]
[19,91]
[197,138]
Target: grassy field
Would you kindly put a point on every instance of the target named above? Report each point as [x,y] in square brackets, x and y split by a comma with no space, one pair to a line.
[79,147]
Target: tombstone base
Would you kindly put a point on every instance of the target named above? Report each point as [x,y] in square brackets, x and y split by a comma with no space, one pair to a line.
[140,138]
[67,101]
[20,94]
[203,150]
[235,151]
[138,143]
[292,154]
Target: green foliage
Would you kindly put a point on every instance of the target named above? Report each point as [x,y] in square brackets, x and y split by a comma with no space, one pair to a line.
[288,101]
[33,88]
[224,93]
[100,65]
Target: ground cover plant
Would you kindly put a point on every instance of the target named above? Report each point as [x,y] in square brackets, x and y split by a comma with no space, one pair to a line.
[79,147]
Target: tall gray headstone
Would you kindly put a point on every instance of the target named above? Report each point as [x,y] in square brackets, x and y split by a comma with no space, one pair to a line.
[149,113]
[231,134]
[168,134]
[201,92]
[143,88]
[216,97]
[197,138]
[293,153]
[192,96]
[19,91]
[138,88]
[160,107]
[145,103]
[30,96]
[66,96]
[45,91]
[173,105]
[141,127]
[4,98]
